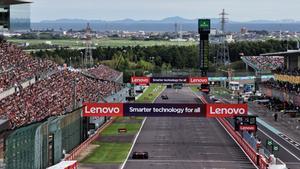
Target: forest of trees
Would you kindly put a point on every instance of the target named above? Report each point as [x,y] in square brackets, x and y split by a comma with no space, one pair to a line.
[161,57]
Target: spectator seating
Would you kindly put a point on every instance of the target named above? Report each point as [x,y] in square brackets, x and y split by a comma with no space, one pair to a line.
[53,95]
[264,63]
[104,72]
[16,66]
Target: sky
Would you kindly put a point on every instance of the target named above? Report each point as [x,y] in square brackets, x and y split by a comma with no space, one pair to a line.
[239,10]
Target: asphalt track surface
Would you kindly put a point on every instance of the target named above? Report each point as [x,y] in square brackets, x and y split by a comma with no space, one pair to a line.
[287,153]
[186,143]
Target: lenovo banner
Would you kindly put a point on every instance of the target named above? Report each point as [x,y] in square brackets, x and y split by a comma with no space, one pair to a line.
[102,109]
[143,80]
[164,110]
[169,80]
[168,110]
[140,80]
[198,80]
[226,110]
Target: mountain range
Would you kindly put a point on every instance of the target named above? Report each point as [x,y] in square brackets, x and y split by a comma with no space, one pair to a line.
[175,19]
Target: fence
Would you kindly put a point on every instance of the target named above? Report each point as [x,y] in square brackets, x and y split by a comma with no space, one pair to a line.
[39,145]
[19,145]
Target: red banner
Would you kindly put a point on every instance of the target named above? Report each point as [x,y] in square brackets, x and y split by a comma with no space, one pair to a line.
[143,80]
[226,110]
[198,80]
[102,109]
[248,127]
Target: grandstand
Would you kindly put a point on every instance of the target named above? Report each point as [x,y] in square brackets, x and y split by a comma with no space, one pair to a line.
[105,73]
[17,67]
[264,63]
[14,15]
[286,84]
[36,94]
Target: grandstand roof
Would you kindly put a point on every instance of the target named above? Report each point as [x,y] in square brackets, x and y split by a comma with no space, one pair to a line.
[287,53]
[14,2]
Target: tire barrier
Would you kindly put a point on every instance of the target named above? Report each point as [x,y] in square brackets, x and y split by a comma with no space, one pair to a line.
[74,153]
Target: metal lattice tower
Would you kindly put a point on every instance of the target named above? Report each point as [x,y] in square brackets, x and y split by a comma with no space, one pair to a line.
[176,29]
[223,20]
[222,55]
[88,55]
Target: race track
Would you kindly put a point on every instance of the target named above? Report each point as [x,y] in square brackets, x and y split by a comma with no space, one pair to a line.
[186,143]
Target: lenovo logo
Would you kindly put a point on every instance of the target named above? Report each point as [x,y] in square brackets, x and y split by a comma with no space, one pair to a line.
[140,80]
[226,110]
[248,127]
[198,80]
[102,109]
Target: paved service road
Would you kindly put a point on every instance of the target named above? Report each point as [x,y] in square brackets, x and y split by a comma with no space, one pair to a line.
[186,143]
[288,153]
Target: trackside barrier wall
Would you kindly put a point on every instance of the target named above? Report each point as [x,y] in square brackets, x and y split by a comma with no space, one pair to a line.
[70,128]
[75,152]
[19,145]
[55,131]
[256,158]
[41,141]
[247,137]
[27,147]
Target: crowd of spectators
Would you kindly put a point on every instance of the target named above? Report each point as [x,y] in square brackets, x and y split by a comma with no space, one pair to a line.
[281,85]
[53,96]
[16,66]
[104,72]
[266,62]
[283,71]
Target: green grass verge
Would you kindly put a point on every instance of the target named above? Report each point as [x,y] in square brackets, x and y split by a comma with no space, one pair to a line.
[120,119]
[194,88]
[151,93]
[108,153]
[112,130]
[221,91]
[116,153]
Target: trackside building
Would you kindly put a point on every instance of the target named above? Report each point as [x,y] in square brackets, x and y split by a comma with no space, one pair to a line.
[14,15]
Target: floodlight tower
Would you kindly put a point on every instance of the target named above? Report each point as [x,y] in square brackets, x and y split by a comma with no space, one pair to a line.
[88,55]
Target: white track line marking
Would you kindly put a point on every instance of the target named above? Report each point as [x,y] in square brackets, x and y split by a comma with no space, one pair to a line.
[137,135]
[279,144]
[133,144]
